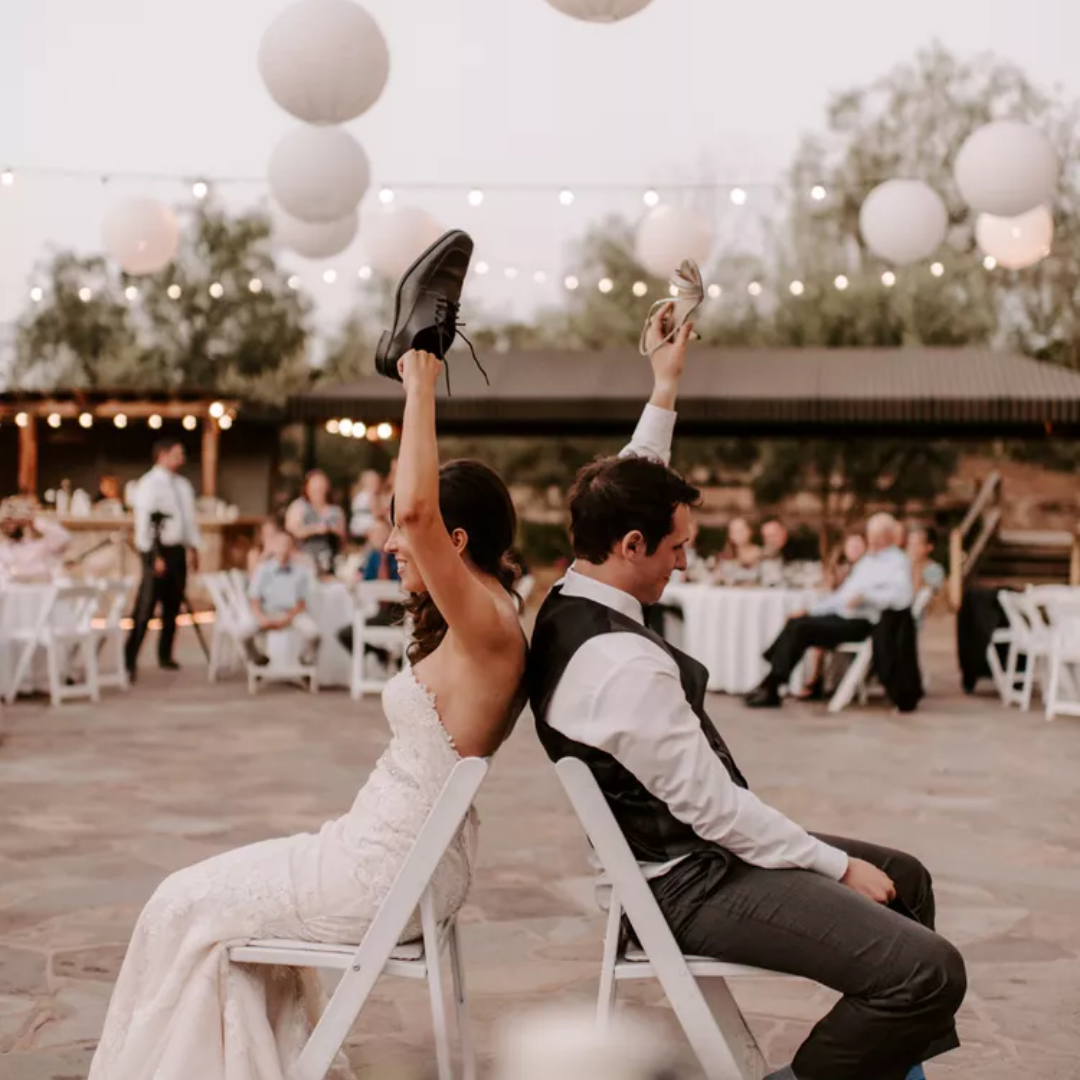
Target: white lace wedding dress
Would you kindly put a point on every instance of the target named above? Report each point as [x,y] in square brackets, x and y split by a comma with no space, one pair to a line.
[180,1011]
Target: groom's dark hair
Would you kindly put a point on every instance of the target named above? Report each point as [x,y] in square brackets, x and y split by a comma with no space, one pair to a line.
[614,496]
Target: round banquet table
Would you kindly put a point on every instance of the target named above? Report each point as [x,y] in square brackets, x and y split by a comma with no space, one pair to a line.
[728,630]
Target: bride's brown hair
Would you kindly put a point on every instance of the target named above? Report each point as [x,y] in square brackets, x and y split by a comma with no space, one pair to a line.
[473,498]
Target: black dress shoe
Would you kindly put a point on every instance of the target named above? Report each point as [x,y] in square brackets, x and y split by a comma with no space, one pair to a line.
[168,665]
[764,697]
[426,304]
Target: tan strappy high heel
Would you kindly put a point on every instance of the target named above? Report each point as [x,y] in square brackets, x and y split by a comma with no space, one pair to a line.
[689,294]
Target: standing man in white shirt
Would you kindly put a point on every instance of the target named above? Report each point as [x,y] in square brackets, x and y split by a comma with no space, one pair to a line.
[735,878]
[168,539]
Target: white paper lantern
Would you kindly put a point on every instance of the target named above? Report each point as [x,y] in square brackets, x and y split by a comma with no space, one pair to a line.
[1007,168]
[394,237]
[1016,242]
[141,234]
[315,240]
[324,61]
[318,174]
[903,221]
[669,234]
[599,11]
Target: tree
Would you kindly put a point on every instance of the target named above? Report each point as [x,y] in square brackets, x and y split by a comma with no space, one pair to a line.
[249,340]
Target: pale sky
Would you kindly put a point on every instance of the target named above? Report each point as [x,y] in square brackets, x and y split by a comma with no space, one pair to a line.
[480,92]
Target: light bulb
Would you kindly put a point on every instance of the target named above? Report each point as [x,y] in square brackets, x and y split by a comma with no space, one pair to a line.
[841,282]
[359,430]
[510,273]
[217,410]
[131,292]
[200,189]
[332,427]
[86,420]
[174,292]
[120,420]
[345,427]
[154,421]
[817,193]
[475,197]
[639,288]
[797,288]
[714,291]
[294,281]
[225,423]
[888,279]
[85,294]
[738,196]
[36,294]
[566,197]
[989,262]
[255,285]
[54,420]
[571,282]
[364,273]
[217,290]
[329,276]
[386,196]
[190,423]
[384,431]
[754,288]
[937,269]
[482,267]
[651,198]
[21,419]
[539,277]
[605,285]
[7,178]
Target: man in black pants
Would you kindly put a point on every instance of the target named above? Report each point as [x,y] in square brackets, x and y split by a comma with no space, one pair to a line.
[166,535]
[736,879]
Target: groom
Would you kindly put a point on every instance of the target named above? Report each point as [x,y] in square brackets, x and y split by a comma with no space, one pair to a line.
[735,878]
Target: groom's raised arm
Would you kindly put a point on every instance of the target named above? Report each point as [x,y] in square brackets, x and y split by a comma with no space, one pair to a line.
[653,434]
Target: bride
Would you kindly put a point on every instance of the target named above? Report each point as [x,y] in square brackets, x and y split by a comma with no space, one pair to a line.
[180,1011]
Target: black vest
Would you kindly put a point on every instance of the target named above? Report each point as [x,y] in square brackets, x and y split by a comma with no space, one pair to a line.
[563,625]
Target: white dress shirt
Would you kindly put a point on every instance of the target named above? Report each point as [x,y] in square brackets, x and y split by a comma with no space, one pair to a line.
[163,491]
[882,581]
[622,694]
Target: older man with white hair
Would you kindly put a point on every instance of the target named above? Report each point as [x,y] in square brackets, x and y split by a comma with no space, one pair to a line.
[879,581]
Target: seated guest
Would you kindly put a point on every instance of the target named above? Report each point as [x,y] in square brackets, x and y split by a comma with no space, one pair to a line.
[925,572]
[379,565]
[880,580]
[108,493]
[365,504]
[776,541]
[259,551]
[851,551]
[740,547]
[32,546]
[316,523]
[279,592]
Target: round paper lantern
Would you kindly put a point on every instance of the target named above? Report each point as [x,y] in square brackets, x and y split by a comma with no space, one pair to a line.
[318,174]
[393,238]
[599,11]
[669,234]
[903,221]
[1007,168]
[324,61]
[1016,242]
[315,240]
[141,234]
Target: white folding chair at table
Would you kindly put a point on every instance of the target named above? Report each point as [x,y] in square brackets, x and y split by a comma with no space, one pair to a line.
[1062,688]
[380,952]
[113,601]
[225,644]
[856,680]
[696,987]
[394,640]
[63,627]
[1030,641]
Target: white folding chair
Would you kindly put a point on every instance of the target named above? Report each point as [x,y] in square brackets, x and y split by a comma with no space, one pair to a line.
[696,987]
[225,646]
[856,680]
[113,600]
[380,952]
[64,626]
[394,640]
[1030,640]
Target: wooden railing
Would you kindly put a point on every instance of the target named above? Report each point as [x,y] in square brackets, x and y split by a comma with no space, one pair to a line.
[963,557]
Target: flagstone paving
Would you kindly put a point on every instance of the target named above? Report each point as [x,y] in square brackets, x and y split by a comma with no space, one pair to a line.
[99,803]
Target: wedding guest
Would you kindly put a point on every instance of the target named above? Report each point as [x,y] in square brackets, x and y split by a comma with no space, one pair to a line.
[259,550]
[108,490]
[740,547]
[776,541]
[379,564]
[925,572]
[365,505]
[851,551]
[316,523]
[32,546]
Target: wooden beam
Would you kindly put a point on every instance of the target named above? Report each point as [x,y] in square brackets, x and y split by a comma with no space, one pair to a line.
[210,444]
[28,458]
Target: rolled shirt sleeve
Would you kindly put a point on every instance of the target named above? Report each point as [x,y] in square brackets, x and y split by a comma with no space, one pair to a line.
[636,711]
[652,436]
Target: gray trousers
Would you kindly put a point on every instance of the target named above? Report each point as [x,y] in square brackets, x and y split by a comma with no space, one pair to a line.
[902,983]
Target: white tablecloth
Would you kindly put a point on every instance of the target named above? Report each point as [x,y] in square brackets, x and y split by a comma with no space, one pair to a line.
[729,629]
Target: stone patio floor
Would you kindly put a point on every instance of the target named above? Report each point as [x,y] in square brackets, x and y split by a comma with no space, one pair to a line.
[99,803]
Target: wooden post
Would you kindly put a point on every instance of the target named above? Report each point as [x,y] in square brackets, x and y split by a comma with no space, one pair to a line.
[210,440]
[956,568]
[1074,560]
[28,457]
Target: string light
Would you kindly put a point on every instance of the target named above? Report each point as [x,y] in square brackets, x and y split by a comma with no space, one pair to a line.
[482,267]
[475,197]
[384,431]
[797,288]
[651,198]
[817,193]
[989,262]
[225,423]
[200,189]
[293,282]
[190,423]
[738,196]
[86,294]
[120,420]
[754,288]
[217,410]
[7,178]
[255,285]
[86,420]
[937,269]
[131,292]
[174,292]
[539,277]
[359,430]
[21,419]
[345,427]
[566,197]
[571,282]
[888,279]
[605,285]
[364,273]
[639,288]
[154,422]
[714,291]
[217,290]
[36,294]
[841,282]
[332,427]
[54,420]
[386,196]
[329,276]
[510,273]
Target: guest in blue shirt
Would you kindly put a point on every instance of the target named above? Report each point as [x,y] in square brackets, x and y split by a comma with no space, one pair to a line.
[879,581]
